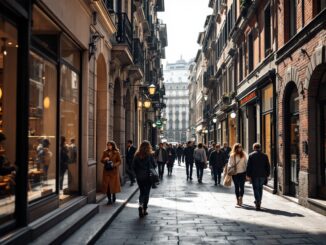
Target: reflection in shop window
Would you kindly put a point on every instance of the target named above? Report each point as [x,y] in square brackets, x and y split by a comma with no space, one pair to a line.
[8,87]
[42,128]
[69,135]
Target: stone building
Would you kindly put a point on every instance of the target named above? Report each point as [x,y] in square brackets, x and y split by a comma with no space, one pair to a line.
[177,94]
[72,76]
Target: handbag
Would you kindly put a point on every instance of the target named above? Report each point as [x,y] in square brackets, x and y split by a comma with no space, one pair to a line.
[152,173]
[232,170]
[108,165]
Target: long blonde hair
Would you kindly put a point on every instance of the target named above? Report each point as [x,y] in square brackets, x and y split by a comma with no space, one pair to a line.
[234,151]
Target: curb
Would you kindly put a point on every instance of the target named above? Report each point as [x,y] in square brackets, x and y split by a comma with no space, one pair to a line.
[111,219]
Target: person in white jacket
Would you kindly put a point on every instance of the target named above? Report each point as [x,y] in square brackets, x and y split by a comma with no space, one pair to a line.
[238,161]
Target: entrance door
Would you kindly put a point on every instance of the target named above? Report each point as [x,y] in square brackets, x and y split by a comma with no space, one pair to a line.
[294,155]
[322,189]
[292,139]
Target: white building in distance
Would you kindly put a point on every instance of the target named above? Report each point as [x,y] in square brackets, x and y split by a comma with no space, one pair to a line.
[177,94]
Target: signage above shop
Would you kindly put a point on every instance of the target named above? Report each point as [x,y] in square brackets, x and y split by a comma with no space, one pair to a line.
[248,98]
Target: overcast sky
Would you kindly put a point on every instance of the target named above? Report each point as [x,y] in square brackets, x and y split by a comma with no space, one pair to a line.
[184,19]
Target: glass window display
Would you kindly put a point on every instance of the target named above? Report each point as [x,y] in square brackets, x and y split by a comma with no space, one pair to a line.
[42,128]
[8,95]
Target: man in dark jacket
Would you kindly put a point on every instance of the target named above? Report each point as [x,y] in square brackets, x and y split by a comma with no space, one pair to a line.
[188,154]
[258,170]
[129,158]
[217,162]
[179,153]
[161,157]
[226,149]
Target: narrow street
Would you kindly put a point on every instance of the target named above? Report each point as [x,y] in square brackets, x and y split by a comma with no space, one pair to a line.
[182,212]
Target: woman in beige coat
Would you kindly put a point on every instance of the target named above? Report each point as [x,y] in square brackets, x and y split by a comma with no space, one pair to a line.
[111,178]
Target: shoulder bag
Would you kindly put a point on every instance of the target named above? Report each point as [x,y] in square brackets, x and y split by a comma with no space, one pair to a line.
[152,173]
[232,170]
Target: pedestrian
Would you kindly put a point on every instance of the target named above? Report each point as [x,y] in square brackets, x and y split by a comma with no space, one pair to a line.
[161,157]
[210,150]
[179,153]
[142,162]
[171,158]
[200,161]
[258,170]
[217,163]
[238,161]
[64,160]
[111,178]
[226,149]
[130,152]
[188,154]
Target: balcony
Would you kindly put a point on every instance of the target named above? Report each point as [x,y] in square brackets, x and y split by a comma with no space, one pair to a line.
[209,78]
[105,10]
[163,35]
[122,45]
[137,69]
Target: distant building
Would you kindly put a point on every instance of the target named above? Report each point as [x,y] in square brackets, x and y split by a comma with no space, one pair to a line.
[177,93]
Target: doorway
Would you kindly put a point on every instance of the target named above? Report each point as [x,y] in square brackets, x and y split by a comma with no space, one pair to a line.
[292,139]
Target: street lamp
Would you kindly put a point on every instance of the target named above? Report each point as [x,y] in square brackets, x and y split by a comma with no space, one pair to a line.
[151,89]
[147,103]
[233,115]
[154,125]
[214,120]
[205,97]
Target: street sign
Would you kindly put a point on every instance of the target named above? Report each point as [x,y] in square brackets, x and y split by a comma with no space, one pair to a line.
[159,123]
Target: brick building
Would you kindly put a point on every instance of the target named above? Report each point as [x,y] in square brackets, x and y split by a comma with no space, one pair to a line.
[265,82]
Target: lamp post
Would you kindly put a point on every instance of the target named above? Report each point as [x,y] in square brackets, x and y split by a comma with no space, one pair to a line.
[215,133]
[151,89]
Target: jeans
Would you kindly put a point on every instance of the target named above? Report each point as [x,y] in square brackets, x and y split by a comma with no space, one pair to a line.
[161,166]
[189,166]
[144,190]
[217,175]
[239,181]
[200,170]
[257,185]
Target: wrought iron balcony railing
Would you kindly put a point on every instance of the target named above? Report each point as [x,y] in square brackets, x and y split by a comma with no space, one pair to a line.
[124,33]
[138,53]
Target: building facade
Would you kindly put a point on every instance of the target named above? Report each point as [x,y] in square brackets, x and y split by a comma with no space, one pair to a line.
[64,92]
[177,94]
[265,78]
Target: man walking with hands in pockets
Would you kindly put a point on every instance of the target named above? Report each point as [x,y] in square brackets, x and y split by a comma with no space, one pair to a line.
[258,170]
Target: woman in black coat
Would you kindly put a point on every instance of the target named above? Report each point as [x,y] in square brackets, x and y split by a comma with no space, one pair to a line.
[143,161]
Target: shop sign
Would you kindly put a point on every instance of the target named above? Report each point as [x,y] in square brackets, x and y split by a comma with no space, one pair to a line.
[248,98]
[159,123]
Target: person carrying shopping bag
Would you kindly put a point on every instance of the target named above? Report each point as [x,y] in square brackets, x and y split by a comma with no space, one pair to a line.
[236,167]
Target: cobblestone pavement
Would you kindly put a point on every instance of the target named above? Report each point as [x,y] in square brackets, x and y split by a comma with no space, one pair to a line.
[182,212]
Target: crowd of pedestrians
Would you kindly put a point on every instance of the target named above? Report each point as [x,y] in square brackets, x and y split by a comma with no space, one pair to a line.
[141,164]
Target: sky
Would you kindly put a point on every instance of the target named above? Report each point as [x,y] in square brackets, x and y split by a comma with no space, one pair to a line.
[184,19]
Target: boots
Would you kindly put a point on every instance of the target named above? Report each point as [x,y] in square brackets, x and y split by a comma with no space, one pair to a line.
[145,211]
[240,201]
[141,211]
[109,200]
[113,198]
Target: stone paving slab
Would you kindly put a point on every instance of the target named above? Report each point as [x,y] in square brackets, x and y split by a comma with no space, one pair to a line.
[183,212]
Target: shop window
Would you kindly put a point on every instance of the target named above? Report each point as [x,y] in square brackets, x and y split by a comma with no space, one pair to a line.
[69,132]
[267,30]
[42,128]
[8,95]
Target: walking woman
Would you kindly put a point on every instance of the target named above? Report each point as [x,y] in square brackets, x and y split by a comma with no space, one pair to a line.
[142,162]
[111,178]
[171,158]
[200,161]
[238,161]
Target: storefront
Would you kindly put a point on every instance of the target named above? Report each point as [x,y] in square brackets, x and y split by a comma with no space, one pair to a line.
[257,122]
[39,117]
